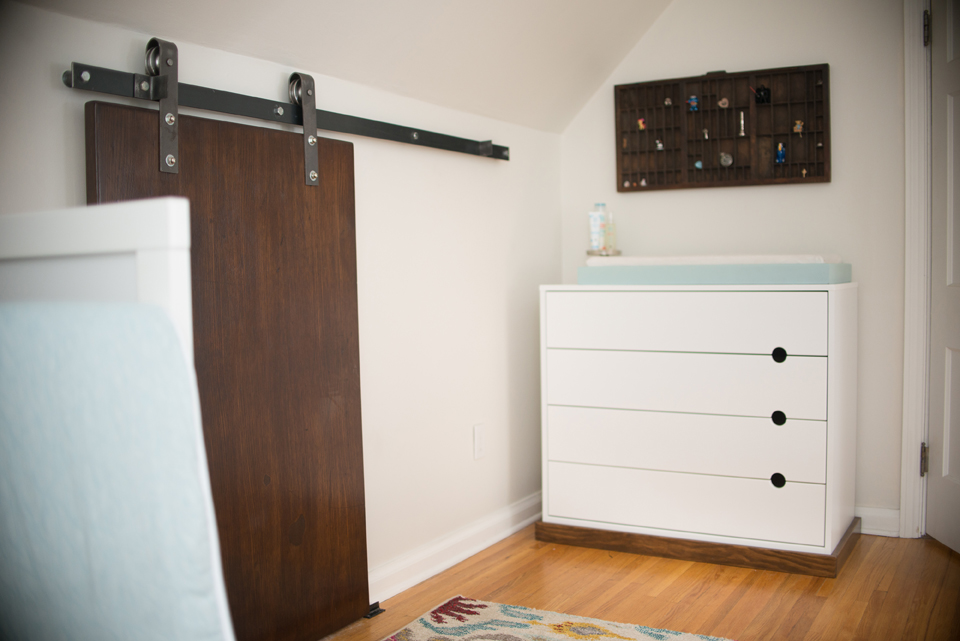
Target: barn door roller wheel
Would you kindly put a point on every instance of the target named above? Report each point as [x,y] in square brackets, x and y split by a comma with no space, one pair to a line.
[160,84]
[303,92]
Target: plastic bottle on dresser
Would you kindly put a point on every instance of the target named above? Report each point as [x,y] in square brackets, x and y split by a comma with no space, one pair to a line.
[610,242]
[598,231]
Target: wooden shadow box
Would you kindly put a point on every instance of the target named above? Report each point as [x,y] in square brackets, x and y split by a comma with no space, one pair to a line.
[724,129]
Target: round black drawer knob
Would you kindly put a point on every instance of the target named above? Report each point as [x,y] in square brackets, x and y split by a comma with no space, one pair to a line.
[778,480]
[779,354]
[778,418]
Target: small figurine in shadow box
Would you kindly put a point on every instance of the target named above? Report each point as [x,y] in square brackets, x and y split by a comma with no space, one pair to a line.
[781,154]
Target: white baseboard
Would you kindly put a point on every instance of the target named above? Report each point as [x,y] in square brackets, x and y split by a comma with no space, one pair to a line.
[879,521]
[409,569]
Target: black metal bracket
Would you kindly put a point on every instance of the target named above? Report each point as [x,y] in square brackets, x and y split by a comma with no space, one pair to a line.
[161,86]
[302,90]
[375,609]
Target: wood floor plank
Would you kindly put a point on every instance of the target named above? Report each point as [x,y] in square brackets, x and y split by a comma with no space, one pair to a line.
[670,571]
[692,580]
[869,624]
[765,625]
[894,565]
[889,589]
[875,570]
[596,570]
[697,608]
[633,588]
[848,622]
[751,604]
[649,580]
[944,618]
[625,567]
[733,602]
[669,601]
[800,618]
[900,589]
[954,628]
[860,552]
[844,608]
[932,575]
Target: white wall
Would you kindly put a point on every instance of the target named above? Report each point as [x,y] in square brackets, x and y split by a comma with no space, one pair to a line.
[451,249]
[860,215]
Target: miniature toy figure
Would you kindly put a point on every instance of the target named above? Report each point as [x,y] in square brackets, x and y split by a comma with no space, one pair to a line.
[659,145]
[667,102]
[694,103]
[642,123]
[781,153]
[798,127]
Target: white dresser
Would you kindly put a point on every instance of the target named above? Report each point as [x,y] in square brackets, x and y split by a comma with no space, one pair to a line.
[716,413]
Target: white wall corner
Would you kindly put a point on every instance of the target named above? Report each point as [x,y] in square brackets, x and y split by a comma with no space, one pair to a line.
[879,521]
[916,302]
[421,563]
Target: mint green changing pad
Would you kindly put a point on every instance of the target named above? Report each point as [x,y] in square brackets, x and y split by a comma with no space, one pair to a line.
[757,274]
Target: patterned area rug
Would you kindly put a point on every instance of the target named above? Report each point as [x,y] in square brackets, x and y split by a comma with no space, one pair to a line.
[461,619]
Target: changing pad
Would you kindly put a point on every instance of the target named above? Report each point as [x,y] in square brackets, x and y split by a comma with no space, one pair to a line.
[779,269]
[747,259]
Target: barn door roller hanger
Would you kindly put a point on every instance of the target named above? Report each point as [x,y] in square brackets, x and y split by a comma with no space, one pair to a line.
[160,84]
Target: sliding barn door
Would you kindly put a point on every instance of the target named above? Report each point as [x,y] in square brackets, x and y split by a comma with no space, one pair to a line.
[275,338]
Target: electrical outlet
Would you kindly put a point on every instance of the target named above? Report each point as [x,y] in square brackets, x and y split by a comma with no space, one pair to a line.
[479,441]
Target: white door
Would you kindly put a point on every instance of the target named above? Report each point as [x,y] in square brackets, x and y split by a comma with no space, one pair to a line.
[943,484]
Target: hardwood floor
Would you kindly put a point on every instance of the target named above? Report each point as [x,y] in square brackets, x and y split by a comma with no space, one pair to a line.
[889,589]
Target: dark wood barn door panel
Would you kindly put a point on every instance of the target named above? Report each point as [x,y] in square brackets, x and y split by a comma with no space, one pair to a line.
[277,358]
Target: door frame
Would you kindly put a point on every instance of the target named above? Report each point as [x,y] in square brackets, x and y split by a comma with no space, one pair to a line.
[917,256]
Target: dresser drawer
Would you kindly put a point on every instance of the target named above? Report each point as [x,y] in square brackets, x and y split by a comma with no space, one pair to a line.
[695,443]
[734,384]
[730,322]
[696,503]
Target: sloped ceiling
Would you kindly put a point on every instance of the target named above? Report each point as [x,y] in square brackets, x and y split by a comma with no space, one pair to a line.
[530,62]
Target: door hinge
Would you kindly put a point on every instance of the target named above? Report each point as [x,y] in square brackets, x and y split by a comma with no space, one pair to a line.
[926,27]
[924,459]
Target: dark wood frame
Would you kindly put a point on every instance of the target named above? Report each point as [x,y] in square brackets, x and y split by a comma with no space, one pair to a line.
[796,93]
[744,556]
